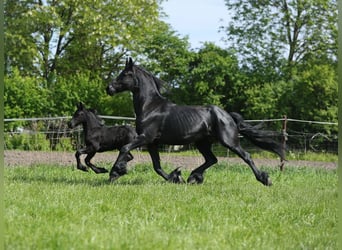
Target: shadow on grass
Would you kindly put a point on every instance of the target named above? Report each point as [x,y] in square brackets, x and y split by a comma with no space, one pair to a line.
[58,175]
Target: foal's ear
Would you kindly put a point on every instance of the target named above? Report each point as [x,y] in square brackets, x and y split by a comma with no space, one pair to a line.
[80,105]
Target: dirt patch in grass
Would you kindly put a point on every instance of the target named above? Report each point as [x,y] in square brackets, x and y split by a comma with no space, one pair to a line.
[106,159]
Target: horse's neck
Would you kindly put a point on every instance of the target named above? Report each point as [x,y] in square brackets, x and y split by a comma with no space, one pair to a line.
[145,99]
[90,123]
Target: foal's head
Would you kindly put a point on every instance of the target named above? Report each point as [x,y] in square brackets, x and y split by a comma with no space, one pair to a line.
[126,80]
[81,114]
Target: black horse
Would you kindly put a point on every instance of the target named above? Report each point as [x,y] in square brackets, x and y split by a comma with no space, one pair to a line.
[159,121]
[98,137]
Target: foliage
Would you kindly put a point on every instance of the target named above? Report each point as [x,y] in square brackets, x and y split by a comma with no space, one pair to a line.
[278,62]
[264,31]
[50,36]
[66,92]
[287,62]
[212,78]
[24,96]
[56,207]
[314,93]
[165,54]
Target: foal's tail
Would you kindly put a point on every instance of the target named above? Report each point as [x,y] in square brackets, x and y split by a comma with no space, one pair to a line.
[261,138]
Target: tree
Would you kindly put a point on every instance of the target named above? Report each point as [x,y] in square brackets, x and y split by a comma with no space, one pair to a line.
[165,53]
[313,95]
[212,78]
[68,36]
[287,51]
[266,31]
[24,97]
[73,47]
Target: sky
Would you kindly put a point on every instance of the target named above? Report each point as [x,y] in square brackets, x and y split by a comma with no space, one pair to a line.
[199,19]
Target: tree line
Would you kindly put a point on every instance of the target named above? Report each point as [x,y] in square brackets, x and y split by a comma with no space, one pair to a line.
[280,59]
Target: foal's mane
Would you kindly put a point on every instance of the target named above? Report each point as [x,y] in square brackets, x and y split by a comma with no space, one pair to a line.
[94,112]
[158,82]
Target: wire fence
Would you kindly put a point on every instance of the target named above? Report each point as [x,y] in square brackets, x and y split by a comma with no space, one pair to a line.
[53,134]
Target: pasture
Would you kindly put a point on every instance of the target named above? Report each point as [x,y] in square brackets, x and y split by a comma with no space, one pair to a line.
[54,207]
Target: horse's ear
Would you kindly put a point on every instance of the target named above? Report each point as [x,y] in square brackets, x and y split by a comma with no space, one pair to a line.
[130,63]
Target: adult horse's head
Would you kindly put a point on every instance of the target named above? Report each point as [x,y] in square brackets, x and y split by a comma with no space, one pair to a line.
[126,80]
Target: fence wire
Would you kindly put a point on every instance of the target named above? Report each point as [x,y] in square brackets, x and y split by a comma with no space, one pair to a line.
[53,134]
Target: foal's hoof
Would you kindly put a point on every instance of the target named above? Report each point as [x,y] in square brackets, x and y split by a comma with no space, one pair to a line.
[195,178]
[175,176]
[101,170]
[265,179]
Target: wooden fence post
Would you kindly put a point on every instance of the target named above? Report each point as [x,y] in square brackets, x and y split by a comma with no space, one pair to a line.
[284,139]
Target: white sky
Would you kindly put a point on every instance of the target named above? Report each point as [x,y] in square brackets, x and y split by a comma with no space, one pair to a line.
[199,19]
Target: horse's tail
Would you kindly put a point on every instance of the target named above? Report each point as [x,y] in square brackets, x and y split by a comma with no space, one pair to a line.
[261,138]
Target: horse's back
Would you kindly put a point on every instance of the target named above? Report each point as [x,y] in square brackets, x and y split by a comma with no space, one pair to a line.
[185,124]
[115,137]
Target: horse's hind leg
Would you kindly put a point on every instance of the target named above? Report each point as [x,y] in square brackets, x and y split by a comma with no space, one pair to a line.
[259,175]
[233,144]
[93,167]
[196,176]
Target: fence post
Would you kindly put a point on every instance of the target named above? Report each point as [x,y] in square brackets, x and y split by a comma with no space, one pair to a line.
[284,139]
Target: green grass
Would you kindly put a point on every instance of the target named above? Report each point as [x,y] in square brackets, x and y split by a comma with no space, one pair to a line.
[50,207]
[258,154]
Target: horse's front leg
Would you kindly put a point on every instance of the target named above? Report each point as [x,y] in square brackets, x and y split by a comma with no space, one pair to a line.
[120,166]
[174,176]
[80,166]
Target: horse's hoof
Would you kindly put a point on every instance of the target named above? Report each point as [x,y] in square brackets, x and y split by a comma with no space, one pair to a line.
[120,168]
[113,177]
[83,168]
[269,182]
[195,178]
[175,176]
[265,179]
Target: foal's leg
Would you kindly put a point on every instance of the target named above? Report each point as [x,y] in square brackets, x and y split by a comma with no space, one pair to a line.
[93,167]
[196,175]
[80,166]
[129,157]
[174,176]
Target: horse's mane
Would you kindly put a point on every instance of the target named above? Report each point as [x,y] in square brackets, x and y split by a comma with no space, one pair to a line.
[158,82]
[94,112]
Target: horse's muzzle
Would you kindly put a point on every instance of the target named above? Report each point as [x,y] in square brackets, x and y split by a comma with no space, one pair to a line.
[70,124]
[110,90]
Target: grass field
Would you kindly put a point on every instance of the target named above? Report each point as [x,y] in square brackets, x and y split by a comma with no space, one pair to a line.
[50,207]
